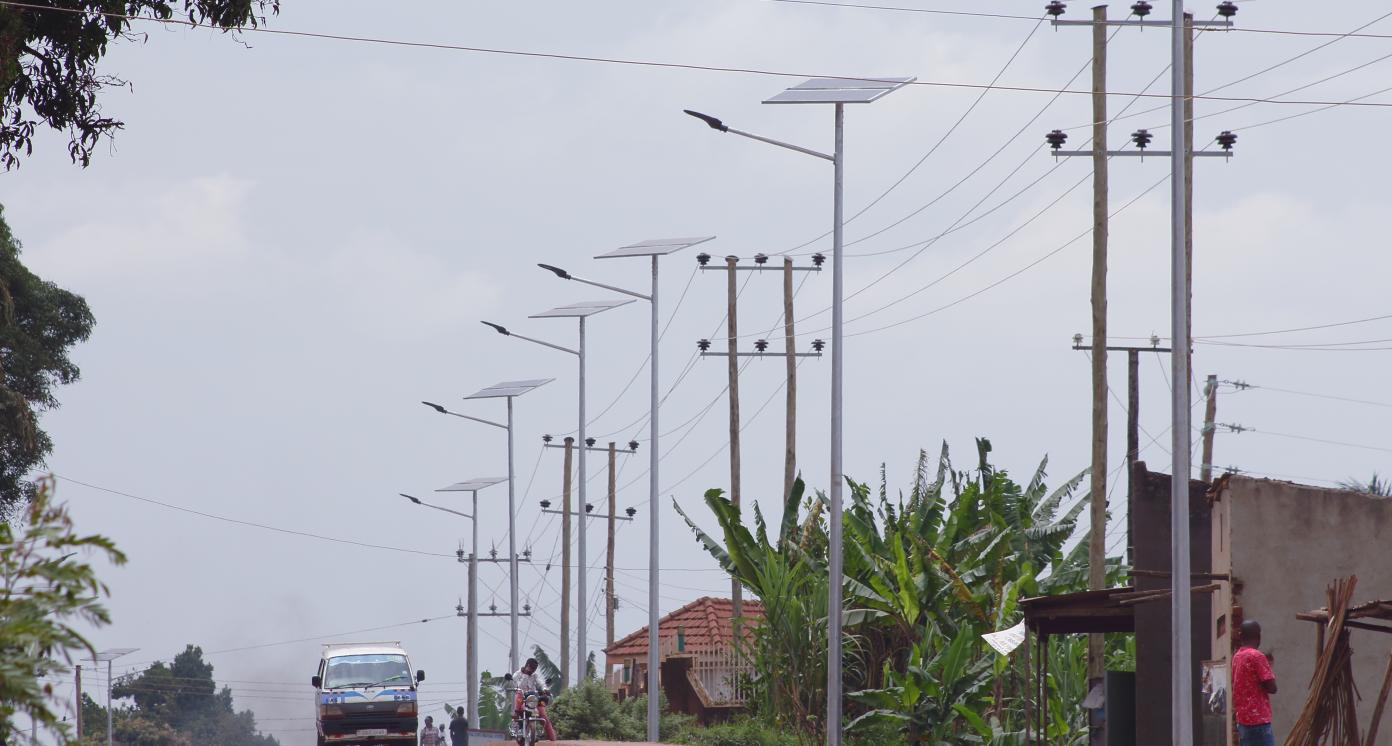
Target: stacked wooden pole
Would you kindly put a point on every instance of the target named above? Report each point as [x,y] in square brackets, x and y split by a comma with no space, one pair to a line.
[1330,714]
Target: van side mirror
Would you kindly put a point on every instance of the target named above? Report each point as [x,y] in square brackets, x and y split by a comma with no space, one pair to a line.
[420,676]
[316,682]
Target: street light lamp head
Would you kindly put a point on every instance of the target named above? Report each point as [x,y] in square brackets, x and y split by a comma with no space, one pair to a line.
[1227,9]
[435,407]
[498,328]
[710,121]
[564,275]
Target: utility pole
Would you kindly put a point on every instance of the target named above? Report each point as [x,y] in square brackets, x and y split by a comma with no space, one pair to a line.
[1097,541]
[1189,184]
[78,681]
[732,326]
[1210,412]
[1181,156]
[789,345]
[609,558]
[586,511]
[565,563]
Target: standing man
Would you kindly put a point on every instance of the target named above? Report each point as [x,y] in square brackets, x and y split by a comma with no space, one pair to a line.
[459,729]
[430,736]
[1252,685]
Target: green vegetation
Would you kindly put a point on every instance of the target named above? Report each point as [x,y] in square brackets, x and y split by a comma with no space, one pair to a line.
[44,591]
[1377,485]
[926,574]
[39,322]
[178,704]
[49,59]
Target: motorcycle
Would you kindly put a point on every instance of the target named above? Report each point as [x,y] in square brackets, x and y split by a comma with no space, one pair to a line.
[528,729]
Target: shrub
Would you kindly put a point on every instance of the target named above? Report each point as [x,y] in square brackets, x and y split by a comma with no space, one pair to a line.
[746,732]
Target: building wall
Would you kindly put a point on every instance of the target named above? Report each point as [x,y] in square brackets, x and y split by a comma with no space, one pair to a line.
[1150,506]
[1284,544]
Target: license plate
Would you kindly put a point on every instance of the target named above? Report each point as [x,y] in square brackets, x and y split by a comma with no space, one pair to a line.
[372,731]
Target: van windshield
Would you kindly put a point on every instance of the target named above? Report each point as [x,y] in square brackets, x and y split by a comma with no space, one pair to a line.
[367,670]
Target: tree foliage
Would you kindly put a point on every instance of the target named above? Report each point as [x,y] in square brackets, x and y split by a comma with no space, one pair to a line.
[45,591]
[1377,485]
[50,52]
[176,704]
[39,323]
[926,573]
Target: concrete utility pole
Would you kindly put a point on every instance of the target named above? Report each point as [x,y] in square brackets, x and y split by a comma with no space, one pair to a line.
[565,564]
[1097,536]
[609,557]
[789,345]
[1181,156]
[1210,413]
[732,326]
[1189,180]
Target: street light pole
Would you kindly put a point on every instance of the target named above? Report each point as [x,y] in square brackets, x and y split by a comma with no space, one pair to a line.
[654,249]
[581,627]
[579,311]
[837,91]
[109,656]
[506,390]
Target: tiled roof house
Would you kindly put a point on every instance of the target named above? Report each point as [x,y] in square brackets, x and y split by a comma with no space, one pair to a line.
[701,670]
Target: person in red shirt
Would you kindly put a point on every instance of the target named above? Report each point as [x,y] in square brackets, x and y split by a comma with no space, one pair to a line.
[1252,685]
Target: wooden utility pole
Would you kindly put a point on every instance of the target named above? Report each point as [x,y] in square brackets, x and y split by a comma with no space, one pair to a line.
[565,565]
[790,439]
[732,292]
[1210,413]
[79,701]
[609,558]
[1097,542]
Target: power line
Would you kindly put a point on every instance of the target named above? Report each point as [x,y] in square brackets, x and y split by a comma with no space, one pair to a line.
[250,524]
[1253,387]
[675,65]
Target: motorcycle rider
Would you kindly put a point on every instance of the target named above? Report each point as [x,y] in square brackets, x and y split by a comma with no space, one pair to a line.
[526,681]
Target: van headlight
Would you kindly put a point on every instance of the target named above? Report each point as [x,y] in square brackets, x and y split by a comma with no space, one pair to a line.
[406,708]
[330,712]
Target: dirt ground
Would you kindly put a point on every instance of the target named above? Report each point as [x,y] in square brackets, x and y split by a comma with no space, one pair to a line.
[581,743]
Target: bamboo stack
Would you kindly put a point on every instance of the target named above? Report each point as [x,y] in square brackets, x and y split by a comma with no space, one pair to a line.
[1330,716]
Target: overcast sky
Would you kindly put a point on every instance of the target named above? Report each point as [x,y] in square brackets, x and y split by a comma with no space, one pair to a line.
[293,240]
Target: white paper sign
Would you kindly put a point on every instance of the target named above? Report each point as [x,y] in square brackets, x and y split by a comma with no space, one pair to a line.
[1006,640]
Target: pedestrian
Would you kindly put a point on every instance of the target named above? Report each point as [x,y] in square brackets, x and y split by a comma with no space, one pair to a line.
[1253,683]
[459,729]
[429,736]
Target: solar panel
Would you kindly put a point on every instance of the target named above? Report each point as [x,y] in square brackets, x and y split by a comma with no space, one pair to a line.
[113,654]
[509,388]
[472,485]
[581,310]
[839,90]
[655,247]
